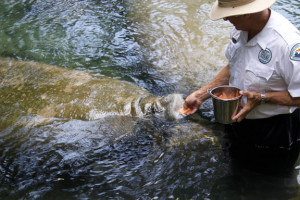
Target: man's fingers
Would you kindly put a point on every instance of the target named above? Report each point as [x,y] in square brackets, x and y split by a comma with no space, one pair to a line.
[240,115]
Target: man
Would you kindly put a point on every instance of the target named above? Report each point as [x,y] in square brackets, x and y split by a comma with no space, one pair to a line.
[264,62]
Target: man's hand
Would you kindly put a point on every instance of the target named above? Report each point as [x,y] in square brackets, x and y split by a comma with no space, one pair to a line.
[191,104]
[194,101]
[253,99]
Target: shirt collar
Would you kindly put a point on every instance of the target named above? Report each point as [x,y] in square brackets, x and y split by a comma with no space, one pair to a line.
[261,37]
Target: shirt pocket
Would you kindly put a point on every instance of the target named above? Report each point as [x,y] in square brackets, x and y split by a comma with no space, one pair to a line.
[257,77]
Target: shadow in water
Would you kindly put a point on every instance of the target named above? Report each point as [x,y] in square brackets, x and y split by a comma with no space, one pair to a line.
[257,176]
[247,184]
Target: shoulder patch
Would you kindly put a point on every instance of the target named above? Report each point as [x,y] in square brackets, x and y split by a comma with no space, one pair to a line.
[265,56]
[295,52]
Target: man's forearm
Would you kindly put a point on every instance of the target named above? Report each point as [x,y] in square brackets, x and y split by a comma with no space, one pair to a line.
[282,98]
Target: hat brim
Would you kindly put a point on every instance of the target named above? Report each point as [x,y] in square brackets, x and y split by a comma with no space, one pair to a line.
[218,12]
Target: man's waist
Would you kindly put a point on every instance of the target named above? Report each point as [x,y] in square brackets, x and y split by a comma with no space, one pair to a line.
[269,110]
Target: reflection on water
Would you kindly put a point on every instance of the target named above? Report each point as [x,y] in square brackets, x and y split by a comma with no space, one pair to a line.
[118,39]
[103,125]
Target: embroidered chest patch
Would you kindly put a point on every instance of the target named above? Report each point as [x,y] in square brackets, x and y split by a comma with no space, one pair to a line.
[265,56]
[295,52]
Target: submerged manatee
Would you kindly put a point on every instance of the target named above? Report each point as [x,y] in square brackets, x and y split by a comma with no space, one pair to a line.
[36,89]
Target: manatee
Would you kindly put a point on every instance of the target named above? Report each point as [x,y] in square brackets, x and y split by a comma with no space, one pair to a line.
[32,89]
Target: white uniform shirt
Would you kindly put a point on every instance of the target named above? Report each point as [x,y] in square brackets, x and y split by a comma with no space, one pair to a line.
[268,62]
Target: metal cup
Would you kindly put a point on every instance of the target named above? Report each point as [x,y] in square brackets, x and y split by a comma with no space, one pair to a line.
[225,108]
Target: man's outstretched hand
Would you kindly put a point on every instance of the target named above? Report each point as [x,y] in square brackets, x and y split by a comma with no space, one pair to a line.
[191,104]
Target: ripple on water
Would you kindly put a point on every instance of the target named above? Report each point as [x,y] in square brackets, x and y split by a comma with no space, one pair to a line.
[162,45]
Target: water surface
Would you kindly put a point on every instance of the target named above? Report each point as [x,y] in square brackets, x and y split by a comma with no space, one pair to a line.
[94,115]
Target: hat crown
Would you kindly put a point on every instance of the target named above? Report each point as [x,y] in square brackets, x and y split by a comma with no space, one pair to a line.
[233,3]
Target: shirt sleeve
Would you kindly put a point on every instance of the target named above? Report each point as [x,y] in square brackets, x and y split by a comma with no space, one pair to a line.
[291,69]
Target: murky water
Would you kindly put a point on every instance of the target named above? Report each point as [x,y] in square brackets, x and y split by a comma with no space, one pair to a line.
[95,115]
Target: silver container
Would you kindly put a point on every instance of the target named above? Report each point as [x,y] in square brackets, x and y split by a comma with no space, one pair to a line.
[224,108]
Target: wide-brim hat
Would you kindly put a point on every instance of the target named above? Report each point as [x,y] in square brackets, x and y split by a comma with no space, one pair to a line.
[226,8]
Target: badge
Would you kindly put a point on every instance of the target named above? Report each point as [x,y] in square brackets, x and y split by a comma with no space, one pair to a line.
[265,56]
[295,52]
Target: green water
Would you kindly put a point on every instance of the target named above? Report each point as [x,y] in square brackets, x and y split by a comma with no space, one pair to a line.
[89,94]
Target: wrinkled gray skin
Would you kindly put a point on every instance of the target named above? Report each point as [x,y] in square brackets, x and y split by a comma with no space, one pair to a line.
[45,91]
